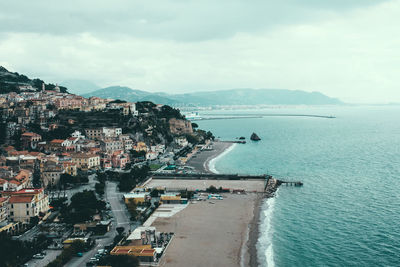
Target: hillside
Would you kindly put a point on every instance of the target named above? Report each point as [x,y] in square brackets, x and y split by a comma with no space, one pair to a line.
[222,97]
[132,95]
[15,82]
[257,97]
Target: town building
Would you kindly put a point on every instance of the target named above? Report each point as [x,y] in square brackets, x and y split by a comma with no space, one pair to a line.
[27,203]
[86,161]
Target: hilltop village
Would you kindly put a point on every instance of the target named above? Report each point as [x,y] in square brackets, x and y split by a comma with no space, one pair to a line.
[67,166]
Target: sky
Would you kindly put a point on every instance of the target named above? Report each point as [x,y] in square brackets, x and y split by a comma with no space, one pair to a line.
[347,49]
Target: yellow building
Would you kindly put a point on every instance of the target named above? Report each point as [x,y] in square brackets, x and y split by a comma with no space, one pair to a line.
[86,161]
[140,146]
[143,254]
[27,203]
[138,198]
[3,209]
[70,168]
[171,199]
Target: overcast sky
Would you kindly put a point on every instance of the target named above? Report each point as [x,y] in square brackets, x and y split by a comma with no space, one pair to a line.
[343,48]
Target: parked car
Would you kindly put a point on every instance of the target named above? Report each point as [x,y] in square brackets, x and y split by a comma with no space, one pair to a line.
[38,256]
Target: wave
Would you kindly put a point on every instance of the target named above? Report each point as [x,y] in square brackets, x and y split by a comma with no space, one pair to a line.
[264,245]
[212,162]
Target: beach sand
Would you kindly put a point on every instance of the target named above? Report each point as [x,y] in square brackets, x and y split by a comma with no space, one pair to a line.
[201,160]
[221,234]
[209,234]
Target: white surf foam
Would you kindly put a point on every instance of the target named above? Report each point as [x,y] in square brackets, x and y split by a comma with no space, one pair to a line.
[212,162]
[265,249]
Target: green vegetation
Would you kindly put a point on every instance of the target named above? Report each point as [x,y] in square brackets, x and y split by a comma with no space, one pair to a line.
[131,206]
[10,82]
[67,179]
[119,261]
[126,181]
[82,208]
[99,187]
[15,253]
[154,167]
[68,253]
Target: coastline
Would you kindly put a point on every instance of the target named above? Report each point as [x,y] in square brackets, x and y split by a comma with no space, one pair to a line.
[201,161]
[248,252]
[225,227]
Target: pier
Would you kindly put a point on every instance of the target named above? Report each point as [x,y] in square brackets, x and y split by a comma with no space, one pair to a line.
[249,183]
[258,116]
[291,183]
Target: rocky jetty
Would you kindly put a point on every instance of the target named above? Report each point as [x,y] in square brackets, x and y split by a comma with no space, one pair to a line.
[255,137]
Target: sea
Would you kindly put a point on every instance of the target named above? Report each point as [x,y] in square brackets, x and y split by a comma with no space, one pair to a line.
[348,211]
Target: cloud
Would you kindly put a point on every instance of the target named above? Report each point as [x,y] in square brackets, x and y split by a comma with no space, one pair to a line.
[187,20]
[343,50]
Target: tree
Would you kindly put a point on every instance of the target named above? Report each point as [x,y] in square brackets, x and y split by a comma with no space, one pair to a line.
[120,230]
[212,189]
[82,208]
[99,187]
[195,125]
[3,133]
[131,206]
[119,261]
[36,181]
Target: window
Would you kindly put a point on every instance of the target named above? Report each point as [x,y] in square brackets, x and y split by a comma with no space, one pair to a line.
[12,213]
[27,205]
[27,212]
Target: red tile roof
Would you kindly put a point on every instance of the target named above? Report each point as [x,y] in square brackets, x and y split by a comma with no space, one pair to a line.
[57,141]
[20,199]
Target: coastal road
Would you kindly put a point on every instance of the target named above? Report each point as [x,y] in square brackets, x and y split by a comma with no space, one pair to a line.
[118,208]
[121,218]
[50,256]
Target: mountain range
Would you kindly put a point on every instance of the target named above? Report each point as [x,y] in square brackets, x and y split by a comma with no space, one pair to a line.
[244,96]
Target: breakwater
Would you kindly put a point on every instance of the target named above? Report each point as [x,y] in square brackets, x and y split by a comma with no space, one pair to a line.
[258,116]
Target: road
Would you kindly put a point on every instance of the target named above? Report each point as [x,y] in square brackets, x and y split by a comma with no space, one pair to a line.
[50,256]
[121,217]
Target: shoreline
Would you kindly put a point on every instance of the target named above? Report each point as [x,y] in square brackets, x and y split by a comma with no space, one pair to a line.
[254,232]
[201,161]
[248,253]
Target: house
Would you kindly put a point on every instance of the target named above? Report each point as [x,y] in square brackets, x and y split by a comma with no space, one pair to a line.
[62,145]
[143,254]
[180,126]
[172,199]
[111,145]
[3,209]
[27,203]
[181,141]
[70,168]
[151,155]
[103,132]
[119,159]
[51,173]
[138,198]
[86,161]
[140,146]
[30,140]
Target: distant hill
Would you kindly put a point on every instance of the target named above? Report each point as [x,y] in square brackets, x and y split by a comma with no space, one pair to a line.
[15,82]
[131,95]
[222,97]
[80,86]
[256,97]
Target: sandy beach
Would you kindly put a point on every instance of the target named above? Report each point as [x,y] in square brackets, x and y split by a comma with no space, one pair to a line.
[210,233]
[213,233]
[202,159]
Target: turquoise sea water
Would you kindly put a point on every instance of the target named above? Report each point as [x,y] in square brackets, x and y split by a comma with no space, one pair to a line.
[348,211]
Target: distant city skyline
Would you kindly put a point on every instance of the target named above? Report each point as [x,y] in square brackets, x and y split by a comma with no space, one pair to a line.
[344,49]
